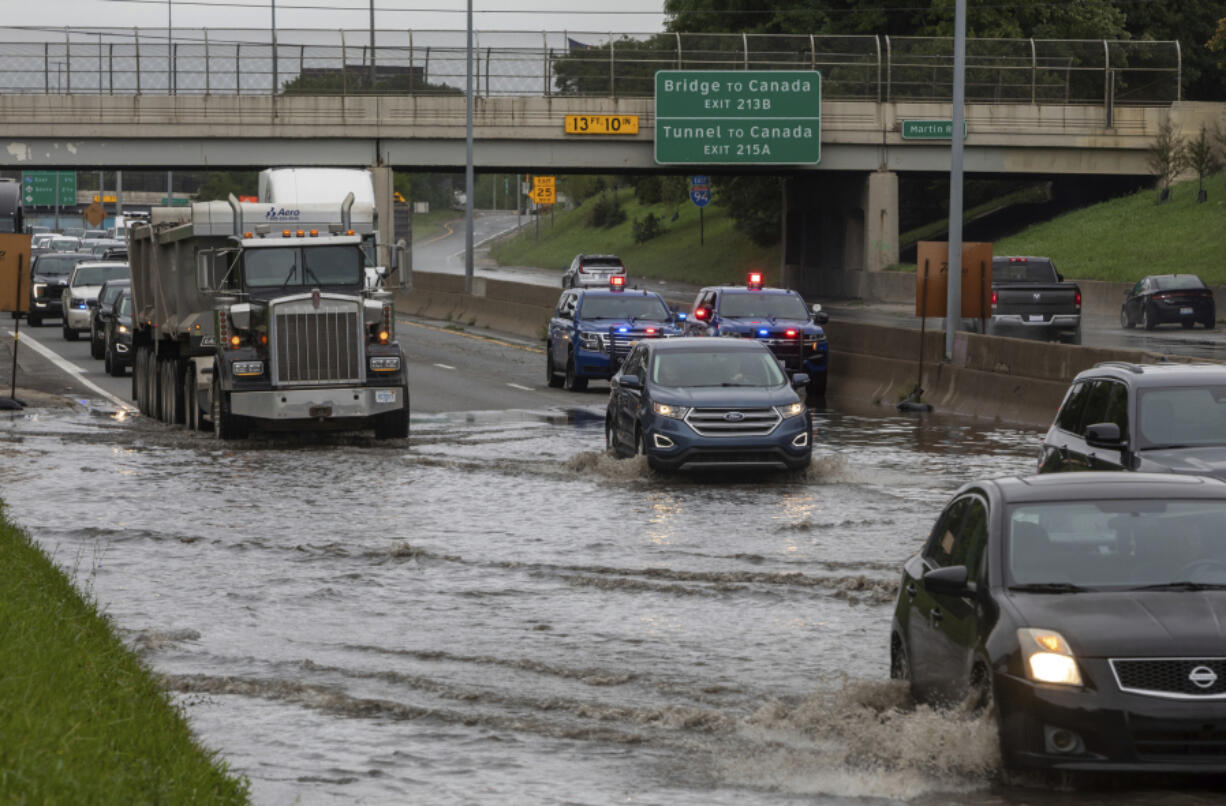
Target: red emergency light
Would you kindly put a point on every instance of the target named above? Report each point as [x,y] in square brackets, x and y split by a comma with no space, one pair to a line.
[700,313]
[790,333]
[651,331]
[755,279]
[617,282]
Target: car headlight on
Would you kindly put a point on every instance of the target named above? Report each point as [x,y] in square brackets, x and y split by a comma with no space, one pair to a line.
[665,410]
[385,364]
[792,410]
[1047,657]
[40,289]
[592,341]
[247,369]
[122,328]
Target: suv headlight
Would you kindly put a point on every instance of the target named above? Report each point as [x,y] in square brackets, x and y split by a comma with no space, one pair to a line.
[1047,657]
[592,341]
[665,410]
[247,369]
[40,289]
[791,410]
[385,364]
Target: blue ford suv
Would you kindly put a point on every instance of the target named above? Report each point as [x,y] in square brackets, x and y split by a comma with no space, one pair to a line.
[777,317]
[592,329]
[693,402]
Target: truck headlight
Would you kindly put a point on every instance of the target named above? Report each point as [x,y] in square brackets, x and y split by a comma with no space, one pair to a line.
[592,341]
[247,369]
[1047,657]
[665,410]
[792,410]
[385,363]
[40,289]
[121,328]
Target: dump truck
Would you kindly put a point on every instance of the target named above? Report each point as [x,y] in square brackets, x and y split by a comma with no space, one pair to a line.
[251,316]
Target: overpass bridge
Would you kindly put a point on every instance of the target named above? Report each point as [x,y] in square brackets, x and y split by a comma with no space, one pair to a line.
[229,99]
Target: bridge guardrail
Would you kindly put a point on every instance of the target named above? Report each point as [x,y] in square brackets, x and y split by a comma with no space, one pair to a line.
[126,61]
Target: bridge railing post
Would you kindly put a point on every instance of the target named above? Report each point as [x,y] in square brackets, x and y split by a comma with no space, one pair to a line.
[67,62]
[136,41]
[678,35]
[612,68]
[889,69]
[545,61]
[1034,73]
[877,42]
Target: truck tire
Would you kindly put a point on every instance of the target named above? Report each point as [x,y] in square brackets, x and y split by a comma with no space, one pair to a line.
[1147,320]
[96,345]
[172,391]
[394,424]
[573,382]
[225,425]
[551,372]
[70,333]
[191,399]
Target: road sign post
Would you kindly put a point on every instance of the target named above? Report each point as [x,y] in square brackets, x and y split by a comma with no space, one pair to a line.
[700,194]
[738,117]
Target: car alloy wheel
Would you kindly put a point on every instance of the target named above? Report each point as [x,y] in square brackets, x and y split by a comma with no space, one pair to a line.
[551,372]
[1125,322]
[573,382]
[1147,318]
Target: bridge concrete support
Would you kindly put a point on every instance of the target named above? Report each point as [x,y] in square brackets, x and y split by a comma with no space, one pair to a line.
[381,175]
[839,229]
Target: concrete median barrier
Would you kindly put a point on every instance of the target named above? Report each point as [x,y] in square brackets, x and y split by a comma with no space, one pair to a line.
[1006,380]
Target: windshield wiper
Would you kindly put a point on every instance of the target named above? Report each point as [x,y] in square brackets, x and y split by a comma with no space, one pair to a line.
[1182,585]
[1049,587]
[292,271]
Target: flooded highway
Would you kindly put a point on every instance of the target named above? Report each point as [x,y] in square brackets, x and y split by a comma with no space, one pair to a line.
[497,612]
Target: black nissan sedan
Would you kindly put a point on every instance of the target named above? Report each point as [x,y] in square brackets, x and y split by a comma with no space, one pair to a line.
[1162,298]
[1090,608]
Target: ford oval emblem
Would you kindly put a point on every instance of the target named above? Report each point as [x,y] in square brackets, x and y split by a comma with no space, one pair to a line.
[1202,677]
[734,416]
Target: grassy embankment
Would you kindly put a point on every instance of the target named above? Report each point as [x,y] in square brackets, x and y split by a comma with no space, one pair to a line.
[725,256]
[81,720]
[1124,239]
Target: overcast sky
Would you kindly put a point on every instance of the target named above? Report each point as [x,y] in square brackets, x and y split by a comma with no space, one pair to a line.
[571,15]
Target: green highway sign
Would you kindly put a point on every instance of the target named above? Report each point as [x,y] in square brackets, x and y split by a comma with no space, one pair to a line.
[738,117]
[49,188]
[930,130]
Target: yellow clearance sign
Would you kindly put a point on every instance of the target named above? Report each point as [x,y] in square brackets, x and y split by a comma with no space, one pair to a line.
[544,190]
[602,124]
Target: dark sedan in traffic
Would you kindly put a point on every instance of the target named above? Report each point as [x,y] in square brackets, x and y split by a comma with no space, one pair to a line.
[692,401]
[1090,608]
[1162,298]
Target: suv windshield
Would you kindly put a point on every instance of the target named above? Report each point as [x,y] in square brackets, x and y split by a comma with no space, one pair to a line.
[629,307]
[1120,544]
[716,368]
[750,304]
[1178,282]
[1011,270]
[283,266]
[97,275]
[55,265]
[1192,416]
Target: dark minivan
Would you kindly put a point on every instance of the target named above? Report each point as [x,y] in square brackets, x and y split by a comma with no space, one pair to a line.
[1150,417]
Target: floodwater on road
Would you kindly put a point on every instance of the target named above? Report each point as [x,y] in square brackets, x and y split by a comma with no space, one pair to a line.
[497,612]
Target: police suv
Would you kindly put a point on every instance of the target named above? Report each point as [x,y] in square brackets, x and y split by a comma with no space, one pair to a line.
[592,330]
[777,317]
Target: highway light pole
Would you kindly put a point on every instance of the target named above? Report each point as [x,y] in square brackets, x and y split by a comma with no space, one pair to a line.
[468,160]
[953,284]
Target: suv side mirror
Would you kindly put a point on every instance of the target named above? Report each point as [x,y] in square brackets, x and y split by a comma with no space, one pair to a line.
[800,380]
[820,317]
[630,382]
[1103,435]
[950,581]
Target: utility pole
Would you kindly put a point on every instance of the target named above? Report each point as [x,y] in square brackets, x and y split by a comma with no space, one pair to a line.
[953,287]
[372,45]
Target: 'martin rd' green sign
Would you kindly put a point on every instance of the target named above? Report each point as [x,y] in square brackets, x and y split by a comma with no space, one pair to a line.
[738,117]
[930,129]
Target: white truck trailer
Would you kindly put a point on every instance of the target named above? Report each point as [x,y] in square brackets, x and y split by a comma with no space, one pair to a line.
[258,316]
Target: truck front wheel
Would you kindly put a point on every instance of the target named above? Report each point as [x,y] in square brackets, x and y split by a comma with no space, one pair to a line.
[225,424]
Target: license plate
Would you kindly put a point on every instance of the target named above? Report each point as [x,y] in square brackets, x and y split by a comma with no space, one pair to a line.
[385,395]
[320,411]
[1185,311]
[1035,317]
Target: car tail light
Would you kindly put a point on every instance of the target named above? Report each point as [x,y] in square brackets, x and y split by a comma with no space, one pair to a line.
[617,282]
[1077,299]
[581,269]
[995,297]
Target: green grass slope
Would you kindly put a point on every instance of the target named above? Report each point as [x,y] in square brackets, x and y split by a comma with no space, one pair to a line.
[1124,239]
[725,256]
[81,720]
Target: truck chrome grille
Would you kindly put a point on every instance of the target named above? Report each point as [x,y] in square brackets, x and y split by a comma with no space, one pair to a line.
[317,345]
[733,422]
